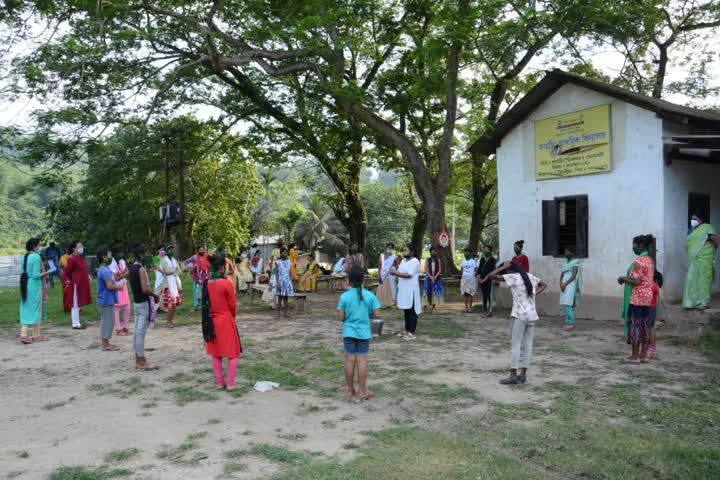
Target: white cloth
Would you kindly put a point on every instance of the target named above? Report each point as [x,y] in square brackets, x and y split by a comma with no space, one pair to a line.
[522,334]
[523,306]
[386,263]
[408,289]
[469,267]
[115,269]
[339,266]
[171,277]
[75,310]
[264,386]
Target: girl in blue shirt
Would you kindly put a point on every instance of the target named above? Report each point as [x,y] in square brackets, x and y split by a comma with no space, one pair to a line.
[355,308]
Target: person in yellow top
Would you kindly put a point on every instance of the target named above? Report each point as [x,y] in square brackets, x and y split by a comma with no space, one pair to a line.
[63,260]
[308,281]
[292,256]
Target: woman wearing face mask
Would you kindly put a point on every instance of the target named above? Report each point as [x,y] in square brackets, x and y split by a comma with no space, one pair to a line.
[433,286]
[520,257]
[172,287]
[284,282]
[245,276]
[408,292]
[33,293]
[107,298]
[468,281]
[200,273]
[637,298]
[77,283]
[387,287]
[570,287]
[354,259]
[119,269]
[701,245]
[487,265]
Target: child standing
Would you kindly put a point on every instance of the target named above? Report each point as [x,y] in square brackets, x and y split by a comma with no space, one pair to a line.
[433,285]
[656,286]
[487,265]
[107,298]
[570,287]
[284,282]
[355,308]
[524,287]
[468,282]
[119,269]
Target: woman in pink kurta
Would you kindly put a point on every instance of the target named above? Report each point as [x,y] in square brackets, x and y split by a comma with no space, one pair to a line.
[119,269]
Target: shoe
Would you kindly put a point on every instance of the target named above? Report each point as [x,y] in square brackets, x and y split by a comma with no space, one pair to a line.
[409,336]
[26,340]
[401,334]
[521,378]
[80,327]
[511,380]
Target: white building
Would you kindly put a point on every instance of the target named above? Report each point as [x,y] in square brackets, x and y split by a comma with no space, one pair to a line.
[593,188]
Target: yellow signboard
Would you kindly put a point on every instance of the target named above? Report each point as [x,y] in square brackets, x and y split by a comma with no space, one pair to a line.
[573,144]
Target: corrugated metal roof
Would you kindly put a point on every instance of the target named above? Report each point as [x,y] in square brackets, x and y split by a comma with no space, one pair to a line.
[554,79]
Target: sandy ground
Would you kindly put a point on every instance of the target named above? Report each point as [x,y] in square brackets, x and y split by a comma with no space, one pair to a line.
[51,410]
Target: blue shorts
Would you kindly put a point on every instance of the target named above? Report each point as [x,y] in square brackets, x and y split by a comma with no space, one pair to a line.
[356,346]
[652,316]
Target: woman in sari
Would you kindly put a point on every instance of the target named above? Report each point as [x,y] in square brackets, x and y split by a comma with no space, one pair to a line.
[570,287]
[702,243]
[308,281]
[245,276]
[33,293]
[200,273]
[292,256]
[172,285]
[386,289]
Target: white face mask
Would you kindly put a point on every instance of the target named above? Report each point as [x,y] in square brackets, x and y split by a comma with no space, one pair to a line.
[389,251]
[79,250]
[694,223]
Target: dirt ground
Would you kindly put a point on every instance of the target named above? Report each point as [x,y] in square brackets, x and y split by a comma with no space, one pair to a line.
[66,403]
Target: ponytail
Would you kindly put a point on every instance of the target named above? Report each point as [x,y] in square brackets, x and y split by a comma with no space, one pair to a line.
[356,277]
[24,278]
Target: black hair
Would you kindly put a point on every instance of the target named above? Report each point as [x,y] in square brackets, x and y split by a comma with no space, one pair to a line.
[515,267]
[658,278]
[217,261]
[356,277]
[117,248]
[257,252]
[292,245]
[697,214]
[30,246]
[413,250]
[432,249]
[52,244]
[521,243]
[390,244]
[643,241]
[139,249]
[254,245]
[71,247]
[467,250]
[102,254]
[283,250]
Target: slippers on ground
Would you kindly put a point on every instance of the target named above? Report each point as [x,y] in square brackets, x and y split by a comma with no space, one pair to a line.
[40,338]
[147,367]
[111,348]
[26,340]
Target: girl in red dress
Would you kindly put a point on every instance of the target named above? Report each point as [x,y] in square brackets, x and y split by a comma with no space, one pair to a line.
[218,322]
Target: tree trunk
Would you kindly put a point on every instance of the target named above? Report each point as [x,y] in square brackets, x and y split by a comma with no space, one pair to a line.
[434,203]
[661,71]
[419,227]
[479,193]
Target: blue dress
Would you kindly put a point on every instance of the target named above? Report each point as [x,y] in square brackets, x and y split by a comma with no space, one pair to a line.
[284,287]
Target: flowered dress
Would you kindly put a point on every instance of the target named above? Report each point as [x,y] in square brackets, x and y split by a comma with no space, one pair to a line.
[284,287]
[638,319]
[432,265]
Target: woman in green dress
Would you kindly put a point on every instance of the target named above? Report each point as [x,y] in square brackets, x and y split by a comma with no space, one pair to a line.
[702,243]
[33,293]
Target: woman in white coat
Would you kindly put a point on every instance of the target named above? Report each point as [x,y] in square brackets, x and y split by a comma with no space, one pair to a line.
[408,290]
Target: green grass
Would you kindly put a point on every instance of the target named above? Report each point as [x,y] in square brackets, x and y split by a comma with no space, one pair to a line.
[184,453]
[254,372]
[442,327]
[292,437]
[88,473]
[122,388]
[231,468]
[185,394]
[411,453]
[121,455]
[180,377]
[708,344]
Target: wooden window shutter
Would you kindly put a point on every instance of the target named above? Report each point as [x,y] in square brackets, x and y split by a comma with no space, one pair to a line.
[581,226]
[550,227]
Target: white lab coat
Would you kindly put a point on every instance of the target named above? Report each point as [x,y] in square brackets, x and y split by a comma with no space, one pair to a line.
[408,289]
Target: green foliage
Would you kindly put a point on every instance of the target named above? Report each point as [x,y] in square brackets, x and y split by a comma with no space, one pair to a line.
[390,217]
[88,473]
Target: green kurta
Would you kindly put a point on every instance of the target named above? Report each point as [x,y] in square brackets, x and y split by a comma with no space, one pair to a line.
[701,267]
[32,310]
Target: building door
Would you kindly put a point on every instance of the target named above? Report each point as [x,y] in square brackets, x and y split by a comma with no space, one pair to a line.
[699,204]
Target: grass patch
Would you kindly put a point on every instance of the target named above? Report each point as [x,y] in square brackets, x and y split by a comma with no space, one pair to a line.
[708,344]
[88,473]
[184,453]
[266,371]
[23,454]
[58,404]
[442,327]
[122,388]
[214,421]
[231,468]
[185,394]
[180,377]
[308,408]
[293,437]
[412,453]
[121,455]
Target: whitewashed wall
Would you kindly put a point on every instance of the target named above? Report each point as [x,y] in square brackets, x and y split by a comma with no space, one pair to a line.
[623,203]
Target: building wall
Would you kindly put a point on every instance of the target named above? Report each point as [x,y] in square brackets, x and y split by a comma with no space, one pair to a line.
[615,199]
[681,178]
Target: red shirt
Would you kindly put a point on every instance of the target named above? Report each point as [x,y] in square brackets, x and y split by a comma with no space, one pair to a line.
[655,294]
[524,261]
[643,269]
[77,277]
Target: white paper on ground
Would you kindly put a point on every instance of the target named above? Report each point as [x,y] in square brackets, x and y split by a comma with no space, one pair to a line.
[264,386]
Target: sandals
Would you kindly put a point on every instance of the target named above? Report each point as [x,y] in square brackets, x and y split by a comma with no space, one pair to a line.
[80,327]
[220,387]
[111,348]
[230,388]
[26,340]
[367,395]
[40,338]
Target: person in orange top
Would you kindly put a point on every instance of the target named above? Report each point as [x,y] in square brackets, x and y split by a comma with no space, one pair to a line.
[220,332]
[292,256]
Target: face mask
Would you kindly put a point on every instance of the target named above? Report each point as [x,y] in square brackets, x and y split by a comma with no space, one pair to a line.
[694,223]
[202,254]
[486,254]
[171,254]
[353,250]
[389,251]
[637,250]
[569,256]
[433,255]
[244,255]
[518,251]
[79,250]
[468,256]
[161,253]
[283,257]
[119,256]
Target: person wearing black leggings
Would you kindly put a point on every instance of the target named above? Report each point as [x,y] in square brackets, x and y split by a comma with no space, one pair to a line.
[487,265]
[408,290]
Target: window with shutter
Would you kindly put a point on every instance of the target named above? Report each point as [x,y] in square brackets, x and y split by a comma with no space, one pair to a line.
[565,225]
[550,225]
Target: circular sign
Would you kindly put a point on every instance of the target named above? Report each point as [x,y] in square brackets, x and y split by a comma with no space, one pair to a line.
[443,239]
